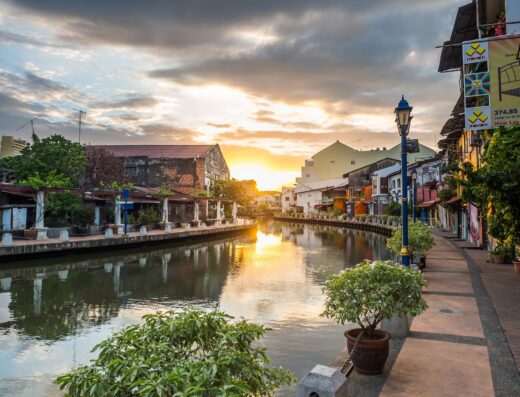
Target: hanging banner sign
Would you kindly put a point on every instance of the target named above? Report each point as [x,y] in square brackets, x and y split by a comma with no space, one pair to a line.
[491,83]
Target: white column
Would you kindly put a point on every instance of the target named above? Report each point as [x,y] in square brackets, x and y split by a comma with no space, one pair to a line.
[97,215]
[40,210]
[196,211]
[219,215]
[165,211]
[234,211]
[117,276]
[117,212]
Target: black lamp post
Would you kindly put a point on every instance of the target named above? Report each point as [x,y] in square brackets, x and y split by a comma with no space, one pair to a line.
[403,119]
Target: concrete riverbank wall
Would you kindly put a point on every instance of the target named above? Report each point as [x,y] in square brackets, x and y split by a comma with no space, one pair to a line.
[368,226]
[54,247]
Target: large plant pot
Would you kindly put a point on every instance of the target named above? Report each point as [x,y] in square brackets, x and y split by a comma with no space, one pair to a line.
[371,354]
[516,265]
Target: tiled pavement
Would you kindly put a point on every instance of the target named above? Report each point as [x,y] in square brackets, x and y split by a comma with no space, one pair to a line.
[457,347]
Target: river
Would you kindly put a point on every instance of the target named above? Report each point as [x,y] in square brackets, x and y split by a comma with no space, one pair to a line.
[53,311]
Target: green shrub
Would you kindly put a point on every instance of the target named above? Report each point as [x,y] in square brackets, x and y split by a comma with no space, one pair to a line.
[191,353]
[420,239]
[83,216]
[393,209]
[371,292]
[149,216]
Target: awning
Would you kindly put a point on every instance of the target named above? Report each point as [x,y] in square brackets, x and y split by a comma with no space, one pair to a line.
[454,200]
[323,205]
[426,204]
[144,201]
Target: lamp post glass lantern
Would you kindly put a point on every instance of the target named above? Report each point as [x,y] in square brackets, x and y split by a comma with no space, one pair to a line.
[403,120]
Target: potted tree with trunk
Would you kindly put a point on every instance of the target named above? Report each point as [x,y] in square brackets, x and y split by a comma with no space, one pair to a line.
[420,241]
[365,295]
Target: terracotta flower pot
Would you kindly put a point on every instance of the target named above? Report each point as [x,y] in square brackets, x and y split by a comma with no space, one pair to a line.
[371,354]
[516,265]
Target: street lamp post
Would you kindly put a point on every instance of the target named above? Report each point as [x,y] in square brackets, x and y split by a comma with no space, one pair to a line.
[414,192]
[403,119]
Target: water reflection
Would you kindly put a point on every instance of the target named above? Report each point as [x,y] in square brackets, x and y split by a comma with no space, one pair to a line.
[53,312]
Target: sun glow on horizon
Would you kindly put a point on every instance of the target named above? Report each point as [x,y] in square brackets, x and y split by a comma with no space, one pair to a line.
[267,178]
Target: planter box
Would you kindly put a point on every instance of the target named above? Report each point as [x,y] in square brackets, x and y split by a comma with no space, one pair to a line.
[30,234]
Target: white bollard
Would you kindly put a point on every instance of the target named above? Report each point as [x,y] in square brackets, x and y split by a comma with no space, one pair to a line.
[143,231]
[109,233]
[64,236]
[42,234]
[7,240]
[142,261]
[322,381]
[187,226]
[108,267]
[167,228]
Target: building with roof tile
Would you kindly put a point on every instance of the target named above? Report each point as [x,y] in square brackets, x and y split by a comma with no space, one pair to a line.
[182,167]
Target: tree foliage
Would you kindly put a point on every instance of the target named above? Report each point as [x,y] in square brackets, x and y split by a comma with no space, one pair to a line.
[230,189]
[49,159]
[420,239]
[495,186]
[191,353]
[103,168]
[371,292]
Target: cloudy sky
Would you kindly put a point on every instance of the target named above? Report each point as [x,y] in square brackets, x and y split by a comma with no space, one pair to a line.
[271,81]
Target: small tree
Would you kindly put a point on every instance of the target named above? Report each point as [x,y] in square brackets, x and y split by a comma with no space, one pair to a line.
[191,353]
[394,209]
[370,292]
[230,189]
[103,168]
[420,239]
[52,156]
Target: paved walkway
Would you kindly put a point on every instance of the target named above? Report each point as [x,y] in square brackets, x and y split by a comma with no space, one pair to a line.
[458,347]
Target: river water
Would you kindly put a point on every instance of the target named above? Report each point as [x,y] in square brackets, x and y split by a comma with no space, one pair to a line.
[53,311]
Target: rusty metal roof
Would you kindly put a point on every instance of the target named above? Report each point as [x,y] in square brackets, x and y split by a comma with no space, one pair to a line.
[464,29]
[159,151]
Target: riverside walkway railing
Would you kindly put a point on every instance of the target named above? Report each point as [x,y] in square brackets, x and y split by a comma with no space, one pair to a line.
[378,224]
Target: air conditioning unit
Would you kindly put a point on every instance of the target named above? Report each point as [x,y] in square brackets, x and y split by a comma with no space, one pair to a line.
[476,141]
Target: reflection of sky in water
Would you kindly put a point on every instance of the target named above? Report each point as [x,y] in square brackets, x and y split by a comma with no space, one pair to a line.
[53,313]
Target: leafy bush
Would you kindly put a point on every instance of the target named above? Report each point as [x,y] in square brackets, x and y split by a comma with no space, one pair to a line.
[420,239]
[83,216]
[149,216]
[189,353]
[393,209]
[371,292]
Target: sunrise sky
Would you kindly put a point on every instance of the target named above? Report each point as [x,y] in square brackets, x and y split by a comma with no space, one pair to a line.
[271,81]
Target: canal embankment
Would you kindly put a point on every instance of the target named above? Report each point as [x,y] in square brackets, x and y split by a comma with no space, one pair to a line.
[368,224]
[26,249]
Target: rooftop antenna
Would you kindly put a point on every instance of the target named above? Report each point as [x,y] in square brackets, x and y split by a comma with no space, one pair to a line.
[34,137]
[80,113]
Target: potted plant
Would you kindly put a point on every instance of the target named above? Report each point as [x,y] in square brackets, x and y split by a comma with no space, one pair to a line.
[365,295]
[516,261]
[420,241]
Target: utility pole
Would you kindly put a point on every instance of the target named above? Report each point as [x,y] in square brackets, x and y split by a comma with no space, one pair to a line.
[80,113]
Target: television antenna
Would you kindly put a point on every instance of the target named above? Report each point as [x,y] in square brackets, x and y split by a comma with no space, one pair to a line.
[31,122]
[80,113]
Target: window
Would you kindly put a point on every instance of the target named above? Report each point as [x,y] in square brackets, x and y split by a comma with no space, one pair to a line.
[399,183]
[352,162]
[307,175]
[286,198]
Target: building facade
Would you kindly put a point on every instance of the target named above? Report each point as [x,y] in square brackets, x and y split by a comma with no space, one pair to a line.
[183,167]
[11,146]
[338,159]
[288,199]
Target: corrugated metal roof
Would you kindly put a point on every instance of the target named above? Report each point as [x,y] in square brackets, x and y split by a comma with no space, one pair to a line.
[159,151]
[464,29]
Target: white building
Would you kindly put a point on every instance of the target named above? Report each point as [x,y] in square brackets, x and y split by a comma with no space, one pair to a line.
[271,200]
[288,199]
[381,189]
[310,194]
[338,159]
